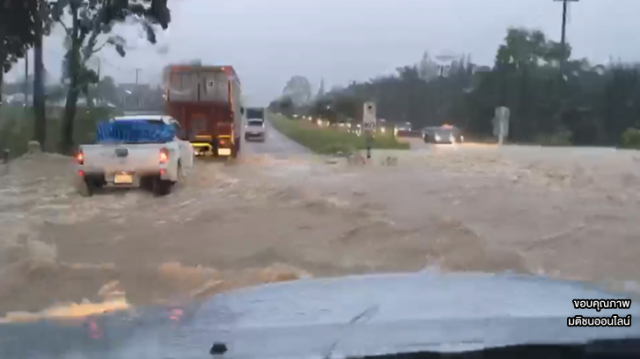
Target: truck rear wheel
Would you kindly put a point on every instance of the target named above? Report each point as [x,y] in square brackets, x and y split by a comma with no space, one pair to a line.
[89,184]
[214,148]
[235,150]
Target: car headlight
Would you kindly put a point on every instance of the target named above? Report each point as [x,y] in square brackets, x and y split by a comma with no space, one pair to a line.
[437,138]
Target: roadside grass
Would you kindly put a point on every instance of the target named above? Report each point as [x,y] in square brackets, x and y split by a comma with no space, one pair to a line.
[330,141]
[16,127]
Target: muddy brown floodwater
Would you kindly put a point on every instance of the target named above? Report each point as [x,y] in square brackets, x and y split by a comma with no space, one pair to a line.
[559,212]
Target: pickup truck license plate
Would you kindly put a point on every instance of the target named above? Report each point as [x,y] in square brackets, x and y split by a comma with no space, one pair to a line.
[123,178]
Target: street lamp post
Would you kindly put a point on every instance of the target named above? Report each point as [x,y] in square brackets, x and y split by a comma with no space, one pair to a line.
[444,62]
[443,71]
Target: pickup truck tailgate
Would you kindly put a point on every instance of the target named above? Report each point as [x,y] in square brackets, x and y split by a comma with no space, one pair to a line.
[107,159]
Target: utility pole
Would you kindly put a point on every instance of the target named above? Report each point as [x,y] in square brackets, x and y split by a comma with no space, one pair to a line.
[564,31]
[137,90]
[98,87]
[442,73]
[26,79]
[444,62]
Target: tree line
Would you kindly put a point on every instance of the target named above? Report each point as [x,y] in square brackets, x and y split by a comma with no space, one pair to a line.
[553,98]
[87,25]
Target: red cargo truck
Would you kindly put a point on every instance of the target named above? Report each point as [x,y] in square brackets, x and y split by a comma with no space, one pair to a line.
[207,101]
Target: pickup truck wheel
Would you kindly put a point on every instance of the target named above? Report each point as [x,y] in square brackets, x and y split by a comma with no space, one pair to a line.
[161,187]
[86,188]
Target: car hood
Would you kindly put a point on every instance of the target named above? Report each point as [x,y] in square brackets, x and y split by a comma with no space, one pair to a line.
[358,315]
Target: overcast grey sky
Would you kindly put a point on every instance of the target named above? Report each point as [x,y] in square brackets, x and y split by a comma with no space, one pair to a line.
[268,41]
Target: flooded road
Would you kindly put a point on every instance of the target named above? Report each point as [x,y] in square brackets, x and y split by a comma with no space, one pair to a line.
[276,145]
[280,213]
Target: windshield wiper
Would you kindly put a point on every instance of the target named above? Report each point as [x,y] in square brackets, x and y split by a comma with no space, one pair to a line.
[364,315]
[614,349]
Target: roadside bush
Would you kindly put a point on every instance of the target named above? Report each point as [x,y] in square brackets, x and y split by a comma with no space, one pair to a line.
[330,141]
[631,139]
[561,138]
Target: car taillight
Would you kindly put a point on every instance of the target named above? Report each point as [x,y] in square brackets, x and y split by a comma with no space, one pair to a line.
[80,158]
[164,156]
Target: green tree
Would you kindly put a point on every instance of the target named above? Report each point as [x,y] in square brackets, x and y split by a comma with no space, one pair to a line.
[86,21]
[106,90]
[321,91]
[16,33]
[298,89]
[283,104]
[586,104]
[56,93]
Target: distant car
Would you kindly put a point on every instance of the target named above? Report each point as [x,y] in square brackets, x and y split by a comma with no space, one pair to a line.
[255,128]
[404,126]
[443,134]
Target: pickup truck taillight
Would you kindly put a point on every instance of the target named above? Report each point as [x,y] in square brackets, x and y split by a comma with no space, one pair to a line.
[164,156]
[80,158]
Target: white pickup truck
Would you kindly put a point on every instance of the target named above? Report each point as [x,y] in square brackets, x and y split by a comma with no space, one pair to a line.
[126,155]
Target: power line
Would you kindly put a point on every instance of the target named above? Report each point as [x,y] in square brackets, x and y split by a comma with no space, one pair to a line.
[115,67]
[99,58]
[100,62]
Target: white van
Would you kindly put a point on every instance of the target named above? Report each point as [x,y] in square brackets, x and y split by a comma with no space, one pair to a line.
[255,127]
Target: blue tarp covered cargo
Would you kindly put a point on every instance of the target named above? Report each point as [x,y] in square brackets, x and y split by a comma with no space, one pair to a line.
[134,131]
